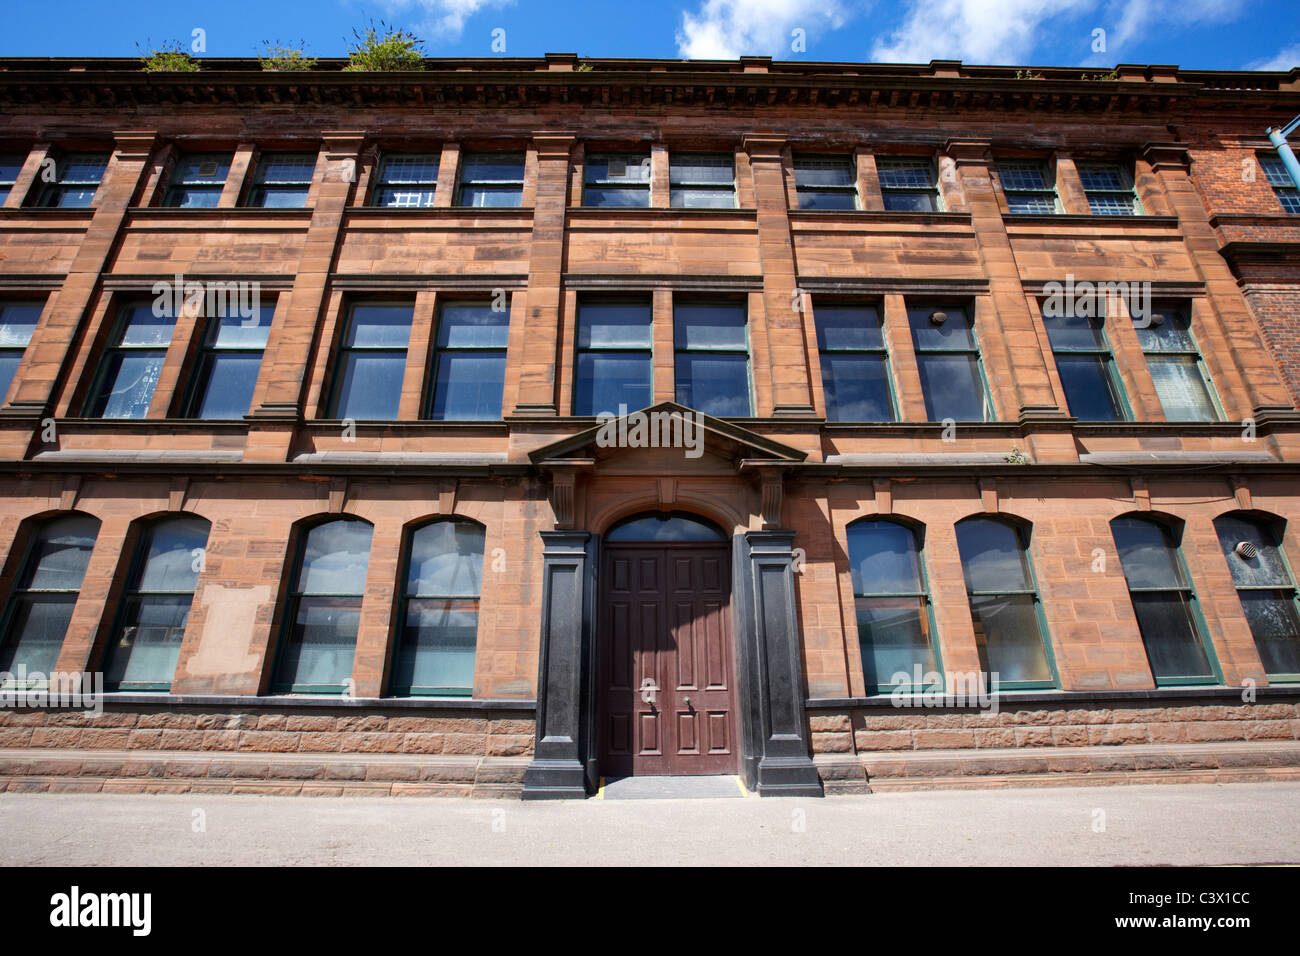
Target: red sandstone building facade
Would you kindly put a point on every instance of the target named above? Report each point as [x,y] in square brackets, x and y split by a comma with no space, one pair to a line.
[370,533]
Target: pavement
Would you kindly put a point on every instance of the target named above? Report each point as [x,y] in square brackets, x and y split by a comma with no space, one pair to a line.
[1184,824]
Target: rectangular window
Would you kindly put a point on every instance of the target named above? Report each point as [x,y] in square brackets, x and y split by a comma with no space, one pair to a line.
[711,343]
[616,179]
[855,363]
[702,181]
[948,358]
[282,180]
[18,318]
[406,180]
[1028,186]
[491,179]
[1083,359]
[372,362]
[11,164]
[908,185]
[470,363]
[895,619]
[1177,368]
[1253,549]
[825,182]
[76,180]
[197,181]
[229,361]
[134,360]
[1109,189]
[615,356]
[1287,193]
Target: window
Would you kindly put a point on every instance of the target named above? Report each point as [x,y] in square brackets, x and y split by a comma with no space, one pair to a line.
[18,318]
[908,185]
[1163,600]
[1083,359]
[1009,628]
[1175,362]
[616,179]
[825,182]
[133,362]
[372,362]
[855,364]
[895,622]
[197,181]
[702,181]
[1109,189]
[665,528]
[282,180]
[76,180]
[948,358]
[229,360]
[614,357]
[712,351]
[406,180]
[1287,193]
[146,639]
[48,583]
[470,365]
[1028,186]
[439,612]
[1253,548]
[492,179]
[11,164]
[323,612]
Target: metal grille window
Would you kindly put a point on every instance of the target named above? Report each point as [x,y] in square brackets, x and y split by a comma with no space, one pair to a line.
[406,180]
[908,185]
[11,164]
[1010,631]
[40,607]
[229,361]
[702,181]
[1084,361]
[1028,186]
[825,182]
[615,356]
[18,318]
[197,181]
[491,179]
[150,626]
[282,180]
[1287,193]
[712,358]
[1266,587]
[1173,632]
[372,362]
[948,358]
[616,179]
[129,372]
[470,365]
[323,612]
[1109,189]
[439,613]
[895,619]
[1177,369]
[854,362]
[76,180]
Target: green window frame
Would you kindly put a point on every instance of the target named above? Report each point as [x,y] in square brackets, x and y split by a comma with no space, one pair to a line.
[469,361]
[614,360]
[371,362]
[282,181]
[491,180]
[947,359]
[616,180]
[908,184]
[1109,188]
[1252,547]
[132,364]
[706,333]
[702,181]
[406,180]
[11,164]
[18,321]
[826,182]
[1029,186]
[77,177]
[1085,364]
[228,364]
[197,181]
[1286,191]
[1177,367]
[854,359]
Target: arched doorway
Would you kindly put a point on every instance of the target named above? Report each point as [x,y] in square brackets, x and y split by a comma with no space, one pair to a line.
[666,671]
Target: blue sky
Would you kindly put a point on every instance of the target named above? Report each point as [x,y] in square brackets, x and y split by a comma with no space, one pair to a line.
[1204,34]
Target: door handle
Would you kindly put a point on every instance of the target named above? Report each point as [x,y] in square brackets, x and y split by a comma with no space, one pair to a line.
[648,690]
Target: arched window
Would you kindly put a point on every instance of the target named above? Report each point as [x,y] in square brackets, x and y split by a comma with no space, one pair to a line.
[439,610]
[1253,547]
[668,528]
[48,582]
[1004,607]
[1164,602]
[150,625]
[895,623]
[323,612]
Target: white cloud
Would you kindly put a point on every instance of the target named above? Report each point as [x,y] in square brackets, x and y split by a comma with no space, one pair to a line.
[443,20]
[1285,59]
[1133,21]
[726,29]
[976,31]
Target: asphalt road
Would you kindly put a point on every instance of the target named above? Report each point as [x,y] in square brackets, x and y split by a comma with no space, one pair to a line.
[1172,824]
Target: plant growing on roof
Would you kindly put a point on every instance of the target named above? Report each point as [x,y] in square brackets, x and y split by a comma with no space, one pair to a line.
[169,57]
[285,59]
[381,48]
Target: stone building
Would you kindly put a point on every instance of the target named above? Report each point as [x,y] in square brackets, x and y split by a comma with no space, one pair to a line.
[931,381]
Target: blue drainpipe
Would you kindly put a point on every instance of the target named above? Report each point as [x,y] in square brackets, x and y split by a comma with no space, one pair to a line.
[1278,138]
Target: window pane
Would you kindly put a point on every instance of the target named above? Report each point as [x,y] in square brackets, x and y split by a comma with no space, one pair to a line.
[287,168]
[36,633]
[856,387]
[627,168]
[436,651]
[370,386]
[1172,639]
[689,168]
[409,170]
[473,326]
[917,174]
[1111,205]
[491,196]
[664,527]
[1088,389]
[1266,567]
[1009,641]
[893,635]
[190,197]
[143,328]
[697,198]
[60,553]
[18,322]
[211,169]
[129,381]
[150,643]
[1031,204]
[321,642]
[226,383]
[823,172]
[404,197]
[493,167]
[717,385]
[1275,627]
[282,197]
[1167,330]
[335,557]
[614,325]
[1066,332]
[1147,553]
[380,327]
[956,332]
[1023,176]
[909,202]
[993,556]
[469,386]
[1101,176]
[952,387]
[827,200]
[607,380]
[9,362]
[1182,390]
[236,332]
[11,164]
[606,196]
[848,327]
[707,326]
[446,560]
[883,558]
[171,563]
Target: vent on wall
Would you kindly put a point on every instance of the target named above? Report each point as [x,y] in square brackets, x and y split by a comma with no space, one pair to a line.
[1246,550]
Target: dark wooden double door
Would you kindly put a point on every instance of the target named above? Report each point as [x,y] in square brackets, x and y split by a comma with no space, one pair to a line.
[667,674]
